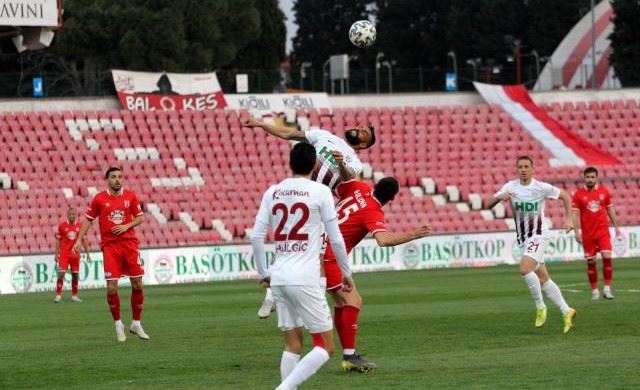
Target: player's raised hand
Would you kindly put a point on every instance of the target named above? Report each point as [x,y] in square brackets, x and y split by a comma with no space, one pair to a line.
[252,122]
[423,231]
[348,284]
[338,157]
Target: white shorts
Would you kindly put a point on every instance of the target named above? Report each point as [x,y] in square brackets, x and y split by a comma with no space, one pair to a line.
[534,247]
[302,306]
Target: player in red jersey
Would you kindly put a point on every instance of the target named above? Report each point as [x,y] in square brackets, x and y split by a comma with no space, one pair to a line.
[592,232]
[65,238]
[118,212]
[360,213]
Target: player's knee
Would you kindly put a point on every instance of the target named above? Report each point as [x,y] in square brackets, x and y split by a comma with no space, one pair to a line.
[591,261]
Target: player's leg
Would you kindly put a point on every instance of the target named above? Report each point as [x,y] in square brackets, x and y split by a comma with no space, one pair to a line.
[137,301]
[590,252]
[291,354]
[604,245]
[553,292]
[528,266]
[75,279]
[310,305]
[347,309]
[59,283]
[112,273]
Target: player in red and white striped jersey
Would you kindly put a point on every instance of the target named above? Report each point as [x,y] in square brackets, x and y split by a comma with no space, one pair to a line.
[527,197]
[66,236]
[593,203]
[118,212]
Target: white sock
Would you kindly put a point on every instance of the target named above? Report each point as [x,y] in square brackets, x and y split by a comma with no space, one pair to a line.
[607,289]
[533,282]
[306,367]
[348,351]
[269,295]
[553,292]
[135,323]
[288,363]
[119,323]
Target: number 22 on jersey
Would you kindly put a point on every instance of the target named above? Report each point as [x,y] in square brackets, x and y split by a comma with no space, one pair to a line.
[299,212]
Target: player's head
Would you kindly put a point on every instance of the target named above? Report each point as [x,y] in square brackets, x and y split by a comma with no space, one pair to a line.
[72,214]
[362,137]
[590,177]
[114,178]
[302,158]
[386,189]
[524,165]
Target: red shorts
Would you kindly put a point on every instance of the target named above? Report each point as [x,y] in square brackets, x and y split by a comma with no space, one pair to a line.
[333,274]
[122,258]
[593,245]
[68,260]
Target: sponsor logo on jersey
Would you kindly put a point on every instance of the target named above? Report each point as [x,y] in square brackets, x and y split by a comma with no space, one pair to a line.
[328,155]
[594,206]
[360,199]
[279,193]
[525,206]
[117,217]
[72,234]
[21,278]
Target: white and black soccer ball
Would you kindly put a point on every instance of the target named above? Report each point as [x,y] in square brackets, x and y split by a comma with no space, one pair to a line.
[362,33]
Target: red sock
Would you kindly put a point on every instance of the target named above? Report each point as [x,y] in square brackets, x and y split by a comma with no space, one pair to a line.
[607,270]
[137,298]
[59,284]
[114,305]
[337,317]
[74,286]
[592,272]
[348,327]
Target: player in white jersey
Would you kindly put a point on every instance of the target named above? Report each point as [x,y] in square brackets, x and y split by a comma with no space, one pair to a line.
[296,209]
[526,197]
[327,170]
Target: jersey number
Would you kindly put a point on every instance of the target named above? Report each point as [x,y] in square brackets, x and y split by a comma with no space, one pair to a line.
[294,234]
[533,247]
[346,211]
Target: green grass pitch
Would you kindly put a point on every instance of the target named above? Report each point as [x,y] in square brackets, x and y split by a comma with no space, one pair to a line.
[429,329]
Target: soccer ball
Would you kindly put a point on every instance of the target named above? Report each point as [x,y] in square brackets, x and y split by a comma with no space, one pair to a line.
[362,33]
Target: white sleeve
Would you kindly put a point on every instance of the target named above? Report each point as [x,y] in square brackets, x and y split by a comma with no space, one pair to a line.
[263,213]
[354,163]
[551,191]
[257,243]
[338,246]
[505,188]
[330,220]
[312,135]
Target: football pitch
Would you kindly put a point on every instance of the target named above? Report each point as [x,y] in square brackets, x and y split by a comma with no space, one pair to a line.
[429,329]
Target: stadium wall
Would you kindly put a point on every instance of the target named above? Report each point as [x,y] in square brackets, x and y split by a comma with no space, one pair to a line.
[382,100]
[21,274]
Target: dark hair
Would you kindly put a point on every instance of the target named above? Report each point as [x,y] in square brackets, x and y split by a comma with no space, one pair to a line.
[302,158]
[373,136]
[590,170]
[386,189]
[524,158]
[111,169]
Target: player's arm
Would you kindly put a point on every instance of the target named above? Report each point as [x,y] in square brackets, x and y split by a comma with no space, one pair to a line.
[340,250]
[613,216]
[258,235]
[385,238]
[56,257]
[568,213]
[85,246]
[84,228]
[346,172]
[576,224]
[283,132]
[497,198]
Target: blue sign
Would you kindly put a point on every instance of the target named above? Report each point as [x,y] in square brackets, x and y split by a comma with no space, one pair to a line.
[451,82]
[38,87]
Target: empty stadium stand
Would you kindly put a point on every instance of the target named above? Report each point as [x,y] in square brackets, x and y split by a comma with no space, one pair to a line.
[200,175]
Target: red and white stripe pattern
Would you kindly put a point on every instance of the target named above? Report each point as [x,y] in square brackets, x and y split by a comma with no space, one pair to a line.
[571,64]
[566,147]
